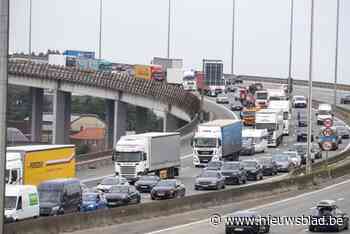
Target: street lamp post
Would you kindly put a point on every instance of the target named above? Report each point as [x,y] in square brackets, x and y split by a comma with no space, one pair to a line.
[4,42]
[233,35]
[336,55]
[30,31]
[169,29]
[290,82]
[309,116]
[100,36]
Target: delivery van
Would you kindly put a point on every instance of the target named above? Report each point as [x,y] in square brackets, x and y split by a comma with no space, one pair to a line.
[21,202]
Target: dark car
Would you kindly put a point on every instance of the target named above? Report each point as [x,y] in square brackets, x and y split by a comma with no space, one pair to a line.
[248,222]
[343,131]
[120,195]
[345,99]
[254,169]
[236,106]
[322,215]
[59,196]
[92,201]
[268,165]
[302,120]
[302,135]
[234,173]
[248,147]
[283,162]
[210,180]
[146,183]
[214,165]
[301,148]
[171,188]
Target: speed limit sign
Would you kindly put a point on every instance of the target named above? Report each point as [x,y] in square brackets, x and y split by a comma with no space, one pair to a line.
[327,146]
[328,132]
[328,123]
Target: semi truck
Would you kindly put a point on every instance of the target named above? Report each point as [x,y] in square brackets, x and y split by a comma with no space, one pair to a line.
[285,107]
[217,140]
[33,164]
[149,72]
[261,98]
[214,77]
[139,154]
[272,120]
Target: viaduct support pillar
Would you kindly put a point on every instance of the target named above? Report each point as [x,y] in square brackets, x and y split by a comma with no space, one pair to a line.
[116,124]
[170,123]
[141,119]
[61,117]
[37,96]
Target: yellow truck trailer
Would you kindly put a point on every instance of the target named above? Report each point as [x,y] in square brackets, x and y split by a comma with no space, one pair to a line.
[33,164]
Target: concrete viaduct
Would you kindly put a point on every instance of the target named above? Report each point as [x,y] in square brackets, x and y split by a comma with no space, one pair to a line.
[117,89]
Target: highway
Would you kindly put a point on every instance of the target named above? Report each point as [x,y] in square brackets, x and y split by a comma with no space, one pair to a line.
[188,173]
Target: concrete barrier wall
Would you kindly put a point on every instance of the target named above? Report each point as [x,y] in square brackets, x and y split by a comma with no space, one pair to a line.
[81,221]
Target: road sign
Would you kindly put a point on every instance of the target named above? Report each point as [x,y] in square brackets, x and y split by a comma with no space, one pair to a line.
[327,146]
[327,132]
[328,123]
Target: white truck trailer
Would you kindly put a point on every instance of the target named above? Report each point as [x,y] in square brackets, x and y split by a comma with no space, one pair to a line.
[272,120]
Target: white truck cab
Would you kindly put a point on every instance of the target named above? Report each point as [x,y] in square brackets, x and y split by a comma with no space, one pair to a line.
[261,98]
[21,202]
[272,120]
[324,111]
[258,136]
[283,105]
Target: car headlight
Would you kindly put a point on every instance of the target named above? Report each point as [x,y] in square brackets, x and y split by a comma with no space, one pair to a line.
[213,182]
[91,206]
[55,208]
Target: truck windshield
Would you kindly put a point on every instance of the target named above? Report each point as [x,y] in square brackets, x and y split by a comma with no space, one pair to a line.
[276,98]
[268,126]
[261,96]
[324,112]
[129,156]
[10,202]
[205,142]
[248,114]
[52,196]
[285,115]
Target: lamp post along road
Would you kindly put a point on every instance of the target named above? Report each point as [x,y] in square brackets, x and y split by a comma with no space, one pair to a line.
[290,83]
[233,35]
[169,26]
[30,31]
[100,36]
[336,54]
[309,116]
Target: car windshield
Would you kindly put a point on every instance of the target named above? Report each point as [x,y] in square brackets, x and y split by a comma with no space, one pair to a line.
[110,181]
[119,189]
[52,196]
[280,158]
[249,164]
[262,96]
[222,96]
[129,156]
[300,98]
[214,164]
[148,178]
[290,154]
[208,174]
[324,112]
[166,183]
[89,197]
[230,166]
[10,202]
[205,142]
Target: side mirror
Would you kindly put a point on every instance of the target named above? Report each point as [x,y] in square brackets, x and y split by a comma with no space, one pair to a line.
[192,142]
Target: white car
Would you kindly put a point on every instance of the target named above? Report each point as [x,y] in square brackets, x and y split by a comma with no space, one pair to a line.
[299,102]
[222,98]
[294,157]
[107,183]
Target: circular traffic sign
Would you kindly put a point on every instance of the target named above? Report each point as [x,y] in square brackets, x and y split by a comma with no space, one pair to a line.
[327,145]
[328,132]
[328,123]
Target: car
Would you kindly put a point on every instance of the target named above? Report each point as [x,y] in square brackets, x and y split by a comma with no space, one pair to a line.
[322,215]
[343,131]
[146,183]
[234,173]
[283,162]
[231,88]
[222,98]
[210,180]
[301,148]
[302,135]
[294,157]
[299,102]
[84,188]
[236,106]
[169,188]
[248,147]
[119,195]
[92,201]
[345,99]
[269,166]
[254,169]
[107,183]
[214,165]
[302,120]
[243,222]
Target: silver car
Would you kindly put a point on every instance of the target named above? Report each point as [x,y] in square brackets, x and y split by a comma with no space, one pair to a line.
[210,179]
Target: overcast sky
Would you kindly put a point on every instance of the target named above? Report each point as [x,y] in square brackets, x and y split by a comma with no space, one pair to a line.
[134,31]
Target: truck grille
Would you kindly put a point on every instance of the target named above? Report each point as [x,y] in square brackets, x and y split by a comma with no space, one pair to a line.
[204,159]
[205,152]
[269,138]
[127,171]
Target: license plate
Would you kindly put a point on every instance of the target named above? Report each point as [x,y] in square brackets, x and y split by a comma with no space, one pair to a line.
[144,186]
[161,194]
[239,229]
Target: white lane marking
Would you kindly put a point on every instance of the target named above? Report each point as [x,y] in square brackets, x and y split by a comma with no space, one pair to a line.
[254,208]
[340,199]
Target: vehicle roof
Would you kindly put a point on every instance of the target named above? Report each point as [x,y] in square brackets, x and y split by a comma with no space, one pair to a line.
[15,188]
[250,160]
[326,203]
[29,148]
[220,122]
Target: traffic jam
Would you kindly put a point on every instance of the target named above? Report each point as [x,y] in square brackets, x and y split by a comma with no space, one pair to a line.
[267,138]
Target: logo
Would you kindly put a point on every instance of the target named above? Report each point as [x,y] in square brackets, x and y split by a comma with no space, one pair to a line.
[327,146]
[33,199]
[36,164]
[328,123]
